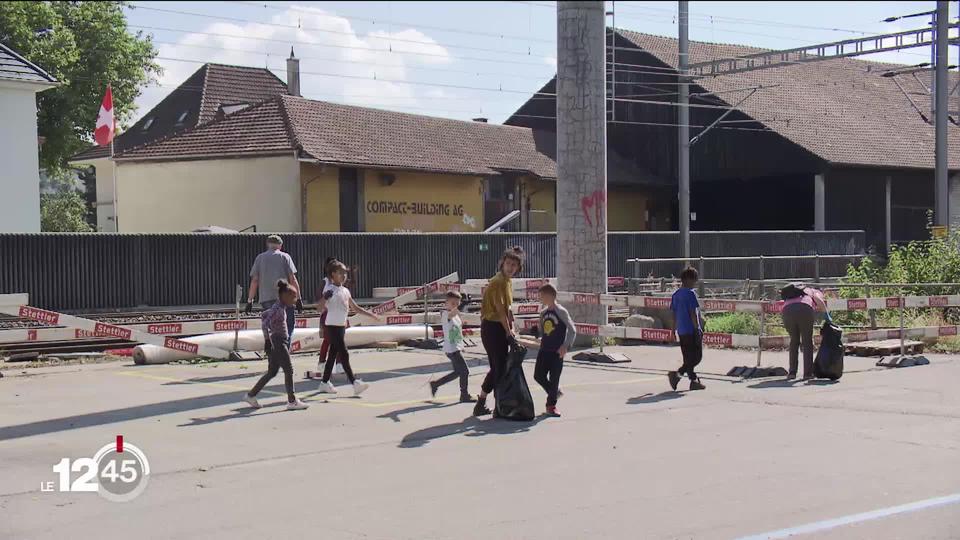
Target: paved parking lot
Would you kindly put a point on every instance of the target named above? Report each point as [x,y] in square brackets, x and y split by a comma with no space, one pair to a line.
[628,459]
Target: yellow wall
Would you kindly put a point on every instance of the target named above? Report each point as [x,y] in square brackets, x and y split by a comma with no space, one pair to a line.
[539,194]
[422,202]
[321,198]
[626,210]
[180,196]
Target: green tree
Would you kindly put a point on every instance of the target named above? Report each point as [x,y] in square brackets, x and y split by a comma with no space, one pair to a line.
[86,46]
[65,211]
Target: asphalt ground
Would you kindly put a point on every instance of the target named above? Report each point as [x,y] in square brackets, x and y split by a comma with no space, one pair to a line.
[873,456]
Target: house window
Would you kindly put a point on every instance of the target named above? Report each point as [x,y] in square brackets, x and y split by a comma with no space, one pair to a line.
[148,123]
[183,117]
[230,109]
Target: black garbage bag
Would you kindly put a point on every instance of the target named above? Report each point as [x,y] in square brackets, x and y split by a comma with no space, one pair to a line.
[829,361]
[514,401]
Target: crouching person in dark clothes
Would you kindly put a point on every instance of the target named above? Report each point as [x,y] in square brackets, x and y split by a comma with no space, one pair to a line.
[689,324]
[278,348]
[558,333]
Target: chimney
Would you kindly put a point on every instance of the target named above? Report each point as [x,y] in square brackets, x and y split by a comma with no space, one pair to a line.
[481,119]
[293,75]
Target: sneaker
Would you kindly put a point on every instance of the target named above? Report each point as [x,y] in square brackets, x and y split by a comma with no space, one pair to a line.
[480,409]
[359,387]
[296,405]
[467,398]
[327,388]
[552,411]
[674,379]
[433,389]
[251,401]
[697,385]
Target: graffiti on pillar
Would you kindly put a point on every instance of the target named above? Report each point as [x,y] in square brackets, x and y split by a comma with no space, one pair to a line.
[594,210]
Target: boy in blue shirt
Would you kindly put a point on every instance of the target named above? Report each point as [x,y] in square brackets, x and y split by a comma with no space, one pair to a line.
[689,324]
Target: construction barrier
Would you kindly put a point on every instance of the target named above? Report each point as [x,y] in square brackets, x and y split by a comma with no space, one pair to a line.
[100,329]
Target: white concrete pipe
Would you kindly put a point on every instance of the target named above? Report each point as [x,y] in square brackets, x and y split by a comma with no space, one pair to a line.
[252,340]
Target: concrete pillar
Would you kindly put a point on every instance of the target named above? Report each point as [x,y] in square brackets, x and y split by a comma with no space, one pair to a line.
[819,202]
[581,154]
[888,205]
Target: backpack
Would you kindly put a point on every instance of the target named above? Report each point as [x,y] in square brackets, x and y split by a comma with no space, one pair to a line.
[791,291]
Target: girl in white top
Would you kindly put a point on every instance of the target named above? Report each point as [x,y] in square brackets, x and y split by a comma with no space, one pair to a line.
[339,302]
[453,347]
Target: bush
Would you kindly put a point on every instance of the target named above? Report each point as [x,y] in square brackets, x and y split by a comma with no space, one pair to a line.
[734,323]
[936,260]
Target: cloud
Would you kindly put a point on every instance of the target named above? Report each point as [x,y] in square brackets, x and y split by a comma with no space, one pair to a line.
[337,63]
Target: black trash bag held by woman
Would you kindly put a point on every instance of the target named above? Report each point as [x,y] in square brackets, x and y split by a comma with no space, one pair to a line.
[829,361]
[514,401]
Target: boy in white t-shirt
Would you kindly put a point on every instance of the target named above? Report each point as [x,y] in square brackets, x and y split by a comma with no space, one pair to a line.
[453,347]
[339,302]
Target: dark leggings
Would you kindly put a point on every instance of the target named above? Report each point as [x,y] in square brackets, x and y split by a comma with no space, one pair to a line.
[798,320]
[338,348]
[278,357]
[459,370]
[547,374]
[494,338]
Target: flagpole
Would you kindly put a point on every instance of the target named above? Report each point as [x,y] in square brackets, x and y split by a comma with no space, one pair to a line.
[116,213]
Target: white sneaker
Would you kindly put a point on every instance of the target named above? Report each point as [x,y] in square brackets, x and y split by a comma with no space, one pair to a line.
[327,388]
[359,386]
[251,401]
[296,405]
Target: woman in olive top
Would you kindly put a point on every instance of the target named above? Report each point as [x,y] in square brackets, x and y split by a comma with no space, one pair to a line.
[496,328]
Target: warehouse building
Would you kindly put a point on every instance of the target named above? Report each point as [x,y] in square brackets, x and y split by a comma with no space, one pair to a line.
[822,145]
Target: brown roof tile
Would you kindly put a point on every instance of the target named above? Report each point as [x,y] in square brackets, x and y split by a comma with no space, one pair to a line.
[361,136]
[257,130]
[336,133]
[199,97]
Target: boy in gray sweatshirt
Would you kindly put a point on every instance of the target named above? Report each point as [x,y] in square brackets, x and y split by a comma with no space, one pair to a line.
[558,332]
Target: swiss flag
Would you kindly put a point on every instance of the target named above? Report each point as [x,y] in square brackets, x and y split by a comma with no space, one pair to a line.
[106,127]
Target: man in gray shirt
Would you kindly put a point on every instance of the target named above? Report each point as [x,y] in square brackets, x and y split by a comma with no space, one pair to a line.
[269,267]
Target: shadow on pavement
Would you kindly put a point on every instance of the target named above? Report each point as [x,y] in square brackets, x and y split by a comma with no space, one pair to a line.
[137,412]
[395,415]
[243,412]
[776,383]
[655,398]
[469,427]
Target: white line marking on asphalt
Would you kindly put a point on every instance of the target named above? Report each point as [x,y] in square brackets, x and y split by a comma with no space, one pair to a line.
[856,518]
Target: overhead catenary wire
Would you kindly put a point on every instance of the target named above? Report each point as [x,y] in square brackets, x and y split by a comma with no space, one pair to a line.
[337,32]
[410,24]
[300,43]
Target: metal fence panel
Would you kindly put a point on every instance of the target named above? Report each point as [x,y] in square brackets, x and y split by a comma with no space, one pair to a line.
[112,271]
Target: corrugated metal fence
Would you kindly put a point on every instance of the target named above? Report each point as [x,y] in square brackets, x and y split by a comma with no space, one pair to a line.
[108,271]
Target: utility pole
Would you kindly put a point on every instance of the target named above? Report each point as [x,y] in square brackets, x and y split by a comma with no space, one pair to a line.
[581,154]
[683,119]
[941,112]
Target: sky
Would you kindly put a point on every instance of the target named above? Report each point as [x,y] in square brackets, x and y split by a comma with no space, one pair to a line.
[462,59]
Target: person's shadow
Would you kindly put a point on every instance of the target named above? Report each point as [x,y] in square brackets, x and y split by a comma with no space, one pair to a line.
[242,412]
[470,426]
[395,415]
[649,398]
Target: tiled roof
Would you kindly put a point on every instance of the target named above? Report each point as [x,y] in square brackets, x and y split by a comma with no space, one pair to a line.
[335,133]
[197,99]
[361,136]
[17,68]
[841,110]
[258,130]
